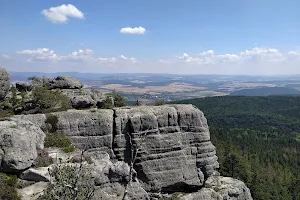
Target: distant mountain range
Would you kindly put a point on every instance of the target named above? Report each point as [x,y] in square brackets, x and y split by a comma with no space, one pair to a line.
[266,91]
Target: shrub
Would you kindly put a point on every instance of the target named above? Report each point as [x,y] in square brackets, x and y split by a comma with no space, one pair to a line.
[52,120]
[4,114]
[71,182]
[69,149]
[56,140]
[50,100]
[160,102]
[117,99]
[8,187]
[43,159]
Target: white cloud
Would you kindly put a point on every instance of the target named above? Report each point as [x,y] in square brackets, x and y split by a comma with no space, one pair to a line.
[107,60]
[135,30]
[40,54]
[207,53]
[294,53]
[133,60]
[263,54]
[5,56]
[61,14]
[251,61]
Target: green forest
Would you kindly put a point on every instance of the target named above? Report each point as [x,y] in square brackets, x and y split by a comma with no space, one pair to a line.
[258,141]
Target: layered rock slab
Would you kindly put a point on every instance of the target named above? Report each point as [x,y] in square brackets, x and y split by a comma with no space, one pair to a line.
[173,146]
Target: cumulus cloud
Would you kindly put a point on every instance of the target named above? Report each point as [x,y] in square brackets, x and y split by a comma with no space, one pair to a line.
[82,55]
[133,60]
[61,14]
[5,56]
[253,55]
[135,30]
[258,60]
[40,54]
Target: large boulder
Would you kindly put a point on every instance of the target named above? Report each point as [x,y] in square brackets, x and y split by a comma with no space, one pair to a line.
[83,101]
[65,82]
[4,83]
[221,188]
[174,152]
[19,141]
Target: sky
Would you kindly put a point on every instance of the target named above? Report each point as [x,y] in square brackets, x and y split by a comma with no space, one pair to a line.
[257,37]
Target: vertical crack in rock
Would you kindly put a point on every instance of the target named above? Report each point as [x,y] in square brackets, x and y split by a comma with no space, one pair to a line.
[114,133]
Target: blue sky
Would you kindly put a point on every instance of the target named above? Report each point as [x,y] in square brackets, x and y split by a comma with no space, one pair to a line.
[191,36]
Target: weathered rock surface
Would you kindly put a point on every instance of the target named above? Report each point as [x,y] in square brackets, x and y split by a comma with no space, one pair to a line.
[4,83]
[83,101]
[221,188]
[171,146]
[37,175]
[19,141]
[33,192]
[173,142]
[65,82]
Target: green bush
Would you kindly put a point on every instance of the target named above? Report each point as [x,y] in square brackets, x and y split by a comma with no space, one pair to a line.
[4,114]
[52,120]
[69,149]
[160,102]
[56,140]
[8,187]
[43,159]
[117,99]
[71,183]
[175,196]
[50,100]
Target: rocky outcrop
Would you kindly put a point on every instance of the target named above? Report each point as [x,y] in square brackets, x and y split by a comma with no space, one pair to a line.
[170,146]
[4,83]
[173,143]
[221,188]
[82,102]
[19,141]
[65,82]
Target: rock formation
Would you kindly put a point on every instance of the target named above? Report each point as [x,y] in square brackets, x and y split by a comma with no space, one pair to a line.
[65,82]
[19,141]
[4,83]
[169,147]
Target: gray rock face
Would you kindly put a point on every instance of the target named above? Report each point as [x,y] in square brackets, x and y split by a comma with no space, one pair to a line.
[82,102]
[4,83]
[93,130]
[37,175]
[19,141]
[173,142]
[221,188]
[85,98]
[65,82]
[23,87]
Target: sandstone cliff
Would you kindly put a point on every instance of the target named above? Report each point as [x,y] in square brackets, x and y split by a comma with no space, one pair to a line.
[171,147]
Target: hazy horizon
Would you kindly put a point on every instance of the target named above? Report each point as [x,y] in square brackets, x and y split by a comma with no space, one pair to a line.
[173,37]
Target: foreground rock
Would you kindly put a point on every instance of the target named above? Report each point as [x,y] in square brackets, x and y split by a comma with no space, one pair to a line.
[173,142]
[170,146]
[221,188]
[82,102]
[4,83]
[19,142]
[65,82]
